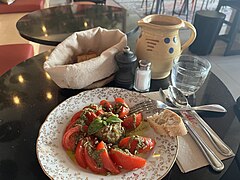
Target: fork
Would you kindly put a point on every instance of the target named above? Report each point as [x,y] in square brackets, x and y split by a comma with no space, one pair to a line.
[155,104]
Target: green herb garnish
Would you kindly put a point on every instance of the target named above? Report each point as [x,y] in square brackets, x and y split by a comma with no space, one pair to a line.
[95,126]
[113,119]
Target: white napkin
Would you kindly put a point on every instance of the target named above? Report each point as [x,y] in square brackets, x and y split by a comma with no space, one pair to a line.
[105,43]
[190,157]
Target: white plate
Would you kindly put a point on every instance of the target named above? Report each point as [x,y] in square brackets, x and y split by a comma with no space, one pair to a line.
[57,164]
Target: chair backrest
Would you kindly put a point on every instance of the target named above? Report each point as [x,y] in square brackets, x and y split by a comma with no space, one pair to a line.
[22,6]
[95,1]
[85,2]
[13,54]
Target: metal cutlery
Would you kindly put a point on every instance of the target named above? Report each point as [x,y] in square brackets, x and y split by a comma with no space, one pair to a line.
[214,138]
[155,104]
[213,160]
[178,99]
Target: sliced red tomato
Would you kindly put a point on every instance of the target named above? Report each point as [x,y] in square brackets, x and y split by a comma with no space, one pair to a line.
[107,106]
[73,120]
[121,107]
[90,117]
[100,112]
[126,160]
[92,106]
[90,161]
[123,112]
[133,121]
[137,144]
[106,160]
[79,154]
[70,138]
[120,100]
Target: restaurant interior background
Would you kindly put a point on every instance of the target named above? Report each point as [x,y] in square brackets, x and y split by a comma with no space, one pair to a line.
[19,150]
[225,67]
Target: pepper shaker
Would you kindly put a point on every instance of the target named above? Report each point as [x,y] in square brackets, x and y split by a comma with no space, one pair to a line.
[143,76]
[127,63]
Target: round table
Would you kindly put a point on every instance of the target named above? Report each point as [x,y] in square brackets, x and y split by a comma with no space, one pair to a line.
[28,95]
[51,26]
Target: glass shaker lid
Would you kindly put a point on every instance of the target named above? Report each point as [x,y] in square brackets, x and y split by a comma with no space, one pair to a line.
[144,64]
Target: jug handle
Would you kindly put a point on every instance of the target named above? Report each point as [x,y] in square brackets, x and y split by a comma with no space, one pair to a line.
[192,36]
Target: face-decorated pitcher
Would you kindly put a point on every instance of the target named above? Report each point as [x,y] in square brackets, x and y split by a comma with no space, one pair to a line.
[159,42]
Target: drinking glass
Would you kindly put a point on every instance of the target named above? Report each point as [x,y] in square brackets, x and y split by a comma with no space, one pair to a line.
[189,73]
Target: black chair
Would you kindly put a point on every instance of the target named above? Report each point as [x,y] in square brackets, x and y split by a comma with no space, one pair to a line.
[233,27]
[184,10]
[146,6]
[237,108]
[95,1]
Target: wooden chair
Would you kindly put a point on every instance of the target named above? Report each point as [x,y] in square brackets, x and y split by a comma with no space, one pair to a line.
[13,54]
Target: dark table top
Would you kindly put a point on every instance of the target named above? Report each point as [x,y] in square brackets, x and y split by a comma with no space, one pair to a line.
[28,95]
[51,26]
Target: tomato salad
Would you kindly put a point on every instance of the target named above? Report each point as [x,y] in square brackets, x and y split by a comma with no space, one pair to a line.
[97,137]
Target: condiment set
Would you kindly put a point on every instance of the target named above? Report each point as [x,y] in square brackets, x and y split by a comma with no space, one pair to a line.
[131,72]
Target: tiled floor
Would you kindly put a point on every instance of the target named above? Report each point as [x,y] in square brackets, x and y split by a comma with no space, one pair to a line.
[225,67]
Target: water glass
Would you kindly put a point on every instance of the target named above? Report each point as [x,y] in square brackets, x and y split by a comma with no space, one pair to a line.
[189,73]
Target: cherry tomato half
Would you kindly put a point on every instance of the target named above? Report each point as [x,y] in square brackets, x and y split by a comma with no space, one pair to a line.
[137,144]
[126,160]
[133,121]
[107,162]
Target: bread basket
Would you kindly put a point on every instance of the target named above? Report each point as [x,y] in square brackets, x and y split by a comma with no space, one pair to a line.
[95,72]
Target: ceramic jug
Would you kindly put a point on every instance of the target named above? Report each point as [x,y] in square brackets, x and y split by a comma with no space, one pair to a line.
[159,42]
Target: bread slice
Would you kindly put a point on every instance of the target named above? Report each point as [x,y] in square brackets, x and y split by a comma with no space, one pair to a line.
[87,56]
[168,123]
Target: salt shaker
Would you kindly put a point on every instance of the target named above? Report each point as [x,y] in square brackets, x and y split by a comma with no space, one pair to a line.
[143,76]
[127,63]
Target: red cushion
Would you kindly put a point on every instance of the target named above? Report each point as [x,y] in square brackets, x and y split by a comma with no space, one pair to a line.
[22,6]
[13,54]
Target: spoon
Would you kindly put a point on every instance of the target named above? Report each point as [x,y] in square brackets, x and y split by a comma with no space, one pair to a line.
[215,139]
[179,100]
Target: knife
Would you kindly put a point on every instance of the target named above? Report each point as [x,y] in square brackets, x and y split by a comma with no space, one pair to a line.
[214,138]
[213,160]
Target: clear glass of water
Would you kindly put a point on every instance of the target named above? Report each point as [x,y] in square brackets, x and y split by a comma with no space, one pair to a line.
[189,73]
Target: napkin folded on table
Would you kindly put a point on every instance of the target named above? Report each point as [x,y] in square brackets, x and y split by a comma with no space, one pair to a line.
[190,157]
[92,73]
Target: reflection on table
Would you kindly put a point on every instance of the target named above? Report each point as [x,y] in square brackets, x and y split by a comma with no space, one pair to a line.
[52,25]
